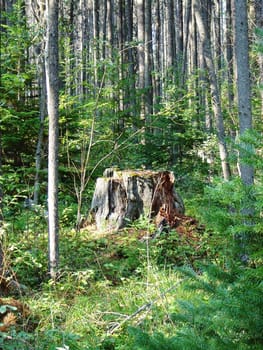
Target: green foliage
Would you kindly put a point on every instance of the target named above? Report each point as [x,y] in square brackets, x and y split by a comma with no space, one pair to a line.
[173,249]
[28,256]
[156,342]
[259,42]
[53,339]
[16,340]
[105,280]
[225,312]
[56,339]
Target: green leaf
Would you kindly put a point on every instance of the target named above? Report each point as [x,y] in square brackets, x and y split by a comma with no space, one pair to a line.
[5,308]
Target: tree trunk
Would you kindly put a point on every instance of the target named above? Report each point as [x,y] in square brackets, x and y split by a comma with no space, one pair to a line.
[243,86]
[148,61]
[130,99]
[1,174]
[141,50]
[259,24]
[121,197]
[229,53]
[241,48]
[96,37]
[42,115]
[170,57]
[53,101]
[185,35]
[156,57]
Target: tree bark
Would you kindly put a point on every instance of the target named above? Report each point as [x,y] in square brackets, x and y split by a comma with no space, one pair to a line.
[156,57]
[52,81]
[229,53]
[141,55]
[259,24]
[42,115]
[170,57]
[243,86]
[121,197]
[148,61]
[1,174]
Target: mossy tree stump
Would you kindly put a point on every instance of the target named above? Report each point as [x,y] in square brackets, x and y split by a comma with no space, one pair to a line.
[121,197]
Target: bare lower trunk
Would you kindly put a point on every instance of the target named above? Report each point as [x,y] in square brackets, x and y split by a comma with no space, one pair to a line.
[53,100]
[243,87]
[42,115]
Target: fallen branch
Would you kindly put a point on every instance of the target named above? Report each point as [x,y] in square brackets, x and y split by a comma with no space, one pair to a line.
[144,307]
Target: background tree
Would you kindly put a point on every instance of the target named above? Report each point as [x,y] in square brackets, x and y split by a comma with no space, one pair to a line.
[259,32]
[52,79]
[243,87]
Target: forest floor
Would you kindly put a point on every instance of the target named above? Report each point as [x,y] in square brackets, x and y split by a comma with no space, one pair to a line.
[108,281]
[132,289]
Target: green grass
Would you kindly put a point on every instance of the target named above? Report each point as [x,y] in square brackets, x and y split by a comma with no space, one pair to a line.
[119,291]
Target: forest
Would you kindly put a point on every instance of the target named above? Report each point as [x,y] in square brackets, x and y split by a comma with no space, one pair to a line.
[140,87]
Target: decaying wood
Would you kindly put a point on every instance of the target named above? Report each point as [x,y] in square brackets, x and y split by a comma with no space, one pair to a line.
[121,197]
[14,311]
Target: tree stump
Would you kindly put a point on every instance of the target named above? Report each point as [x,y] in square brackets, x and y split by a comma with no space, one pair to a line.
[121,197]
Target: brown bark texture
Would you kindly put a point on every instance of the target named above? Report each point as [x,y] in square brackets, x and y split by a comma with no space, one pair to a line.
[121,197]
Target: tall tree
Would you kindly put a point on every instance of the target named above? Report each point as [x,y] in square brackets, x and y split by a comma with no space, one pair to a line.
[141,52]
[1,191]
[259,24]
[52,81]
[243,84]
[170,55]
[148,59]
[156,55]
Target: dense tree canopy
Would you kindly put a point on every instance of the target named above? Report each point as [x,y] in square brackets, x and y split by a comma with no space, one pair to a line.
[151,77]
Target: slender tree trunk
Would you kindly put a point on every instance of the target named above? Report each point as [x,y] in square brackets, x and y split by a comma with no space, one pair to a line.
[52,81]
[140,37]
[110,26]
[259,24]
[1,174]
[243,85]
[170,58]
[104,29]
[42,115]
[216,10]
[241,49]
[130,96]
[179,32]
[96,34]
[216,100]
[1,190]
[141,56]
[186,28]
[1,202]
[120,32]
[229,52]
[148,59]
[157,56]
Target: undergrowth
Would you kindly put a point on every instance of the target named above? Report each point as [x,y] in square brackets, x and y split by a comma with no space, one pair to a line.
[125,290]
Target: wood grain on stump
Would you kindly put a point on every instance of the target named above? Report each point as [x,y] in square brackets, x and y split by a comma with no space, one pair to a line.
[121,197]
